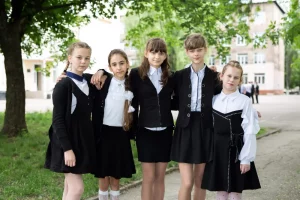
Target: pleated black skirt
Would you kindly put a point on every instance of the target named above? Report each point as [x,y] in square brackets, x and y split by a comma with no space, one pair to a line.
[192,144]
[154,146]
[114,154]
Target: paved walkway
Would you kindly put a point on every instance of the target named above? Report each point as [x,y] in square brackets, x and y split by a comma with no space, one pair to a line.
[278,155]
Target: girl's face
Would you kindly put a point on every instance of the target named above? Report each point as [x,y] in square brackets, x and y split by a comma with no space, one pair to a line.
[118,66]
[155,58]
[231,79]
[79,60]
[196,55]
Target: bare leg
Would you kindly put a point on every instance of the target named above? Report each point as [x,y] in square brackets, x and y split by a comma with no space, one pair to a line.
[186,186]
[148,180]
[65,190]
[159,182]
[199,193]
[75,186]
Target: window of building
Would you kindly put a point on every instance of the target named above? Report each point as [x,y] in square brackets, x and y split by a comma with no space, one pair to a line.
[240,41]
[259,17]
[245,78]
[242,58]
[211,60]
[227,59]
[259,78]
[259,58]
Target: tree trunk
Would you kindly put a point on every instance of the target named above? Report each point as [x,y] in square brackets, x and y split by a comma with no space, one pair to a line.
[14,119]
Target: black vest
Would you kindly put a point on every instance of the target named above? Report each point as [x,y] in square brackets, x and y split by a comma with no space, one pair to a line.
[155,109]
[183,93]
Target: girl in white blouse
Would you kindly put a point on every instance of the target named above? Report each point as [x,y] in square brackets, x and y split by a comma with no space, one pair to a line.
[232,169]
[112,106]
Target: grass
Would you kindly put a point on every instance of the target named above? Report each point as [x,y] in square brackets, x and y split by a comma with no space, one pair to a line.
[22,173]
[262,131]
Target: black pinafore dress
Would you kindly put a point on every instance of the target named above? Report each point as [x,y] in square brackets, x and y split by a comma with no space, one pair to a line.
[81,136]
[223,172]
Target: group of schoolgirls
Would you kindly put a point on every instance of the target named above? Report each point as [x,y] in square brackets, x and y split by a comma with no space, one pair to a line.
[214,141]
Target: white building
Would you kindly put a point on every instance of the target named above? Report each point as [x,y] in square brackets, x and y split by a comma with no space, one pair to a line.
[263,65]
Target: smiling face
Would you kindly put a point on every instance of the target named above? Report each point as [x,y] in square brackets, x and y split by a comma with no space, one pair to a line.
[155,58]
[231,78]
[80,60]
[118,65]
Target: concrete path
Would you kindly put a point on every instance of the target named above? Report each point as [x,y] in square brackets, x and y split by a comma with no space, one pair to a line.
[278,155]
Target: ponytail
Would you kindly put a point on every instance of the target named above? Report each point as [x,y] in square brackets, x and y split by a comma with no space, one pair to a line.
[66,67]
[128,117]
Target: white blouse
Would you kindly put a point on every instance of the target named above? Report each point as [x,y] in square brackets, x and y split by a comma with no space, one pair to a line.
[84,87]
[236,101]
[114,103]
[196,80]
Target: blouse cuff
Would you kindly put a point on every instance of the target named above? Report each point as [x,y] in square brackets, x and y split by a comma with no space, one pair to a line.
[245,162]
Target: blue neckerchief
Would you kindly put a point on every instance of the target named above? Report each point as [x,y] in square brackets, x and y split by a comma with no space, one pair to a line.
[75,76]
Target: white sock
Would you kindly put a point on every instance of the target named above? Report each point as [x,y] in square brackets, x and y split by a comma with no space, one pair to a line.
[103,195]
[114,195]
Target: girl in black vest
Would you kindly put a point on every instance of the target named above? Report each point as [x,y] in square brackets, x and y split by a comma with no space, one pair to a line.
[152,87]
[112,118]
[192,141]
[72,145]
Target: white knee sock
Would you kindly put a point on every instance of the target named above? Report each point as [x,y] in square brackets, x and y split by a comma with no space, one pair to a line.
[103,195]
[114,195]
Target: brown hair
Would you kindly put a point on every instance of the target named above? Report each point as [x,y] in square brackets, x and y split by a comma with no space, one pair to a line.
[156,45]
[236,64]
[71,49]
[128,117]
[194,41]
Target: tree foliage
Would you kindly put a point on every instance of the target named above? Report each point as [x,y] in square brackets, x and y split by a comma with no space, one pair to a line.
[218,20]
[29,26]
[291,34]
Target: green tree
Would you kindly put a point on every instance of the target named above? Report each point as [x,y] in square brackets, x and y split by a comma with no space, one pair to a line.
[291,34]
[26,26]
[173,20]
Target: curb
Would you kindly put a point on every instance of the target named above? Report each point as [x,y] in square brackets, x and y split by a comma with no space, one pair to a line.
[269,133]
[172,169]
[135,183]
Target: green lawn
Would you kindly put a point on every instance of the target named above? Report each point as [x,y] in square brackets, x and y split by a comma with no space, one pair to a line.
[22,175]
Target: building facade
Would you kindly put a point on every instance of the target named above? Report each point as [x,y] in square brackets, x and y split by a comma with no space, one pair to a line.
[265,66]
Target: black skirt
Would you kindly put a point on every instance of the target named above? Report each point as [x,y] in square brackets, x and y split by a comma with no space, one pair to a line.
[192,144]
[114,154]
[154,146]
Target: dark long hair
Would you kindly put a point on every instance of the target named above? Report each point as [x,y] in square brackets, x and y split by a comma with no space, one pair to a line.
[156,45]
[127,116]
